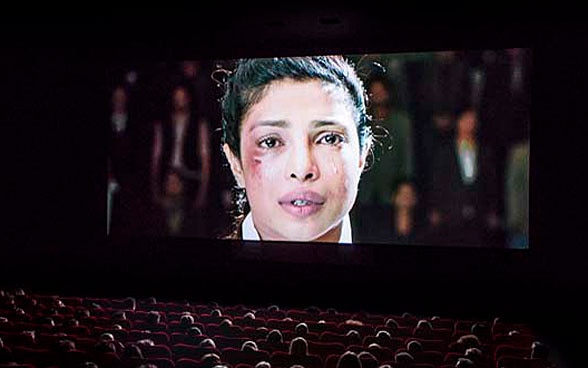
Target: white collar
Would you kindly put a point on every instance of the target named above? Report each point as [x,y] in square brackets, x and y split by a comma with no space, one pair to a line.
[250,233]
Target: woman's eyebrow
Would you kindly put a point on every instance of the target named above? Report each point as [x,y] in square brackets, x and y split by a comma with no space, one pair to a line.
[270,123]
[327,123]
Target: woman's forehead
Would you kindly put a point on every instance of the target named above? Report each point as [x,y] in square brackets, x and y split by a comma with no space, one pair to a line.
[311,100]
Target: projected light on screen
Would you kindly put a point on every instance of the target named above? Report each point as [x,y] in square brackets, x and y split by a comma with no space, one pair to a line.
[424,148]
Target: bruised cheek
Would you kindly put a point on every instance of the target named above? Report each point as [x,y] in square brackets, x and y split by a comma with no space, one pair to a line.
[260,168]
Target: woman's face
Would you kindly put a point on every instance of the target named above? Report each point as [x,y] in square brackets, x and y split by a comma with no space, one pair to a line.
[300,161]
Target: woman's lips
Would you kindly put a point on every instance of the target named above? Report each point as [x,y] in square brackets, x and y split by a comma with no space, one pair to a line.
[302,204]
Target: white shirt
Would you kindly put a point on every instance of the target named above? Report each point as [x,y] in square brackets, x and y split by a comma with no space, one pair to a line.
[250,233]
[119,122]
[468,159]
[181,122]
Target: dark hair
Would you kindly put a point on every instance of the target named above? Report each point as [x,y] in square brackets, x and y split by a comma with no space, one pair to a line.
[207,343]
[153,317]
[247,84]
[249,346]
[249,315]
[130,303]
[274,336]
[263,364]
[464,363]
[119,315]
[298,346]
[469,341]
[353,337]
[65,345]
[391,323]
[368,360]
[301,329]
[132,351]
[348,360]
[186,320]
[210,360]
[539,350]
[225,323]
[193,331]
[414,346]
[424,324]
[71,322]
[403,358]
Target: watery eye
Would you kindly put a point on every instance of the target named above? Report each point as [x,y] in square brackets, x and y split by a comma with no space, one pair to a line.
[332,139]
[269,142]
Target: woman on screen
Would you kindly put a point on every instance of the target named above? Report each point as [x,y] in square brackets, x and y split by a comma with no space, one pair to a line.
[296,136]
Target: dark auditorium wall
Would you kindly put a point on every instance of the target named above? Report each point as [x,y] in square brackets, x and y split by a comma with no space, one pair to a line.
[54,230]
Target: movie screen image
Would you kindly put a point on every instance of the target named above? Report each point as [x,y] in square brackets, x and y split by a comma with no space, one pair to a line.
[405,149]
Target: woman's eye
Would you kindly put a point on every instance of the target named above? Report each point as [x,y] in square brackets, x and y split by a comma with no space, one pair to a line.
[332,139]
[269,142]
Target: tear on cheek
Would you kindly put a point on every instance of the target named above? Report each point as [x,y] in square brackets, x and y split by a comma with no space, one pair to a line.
[334,167]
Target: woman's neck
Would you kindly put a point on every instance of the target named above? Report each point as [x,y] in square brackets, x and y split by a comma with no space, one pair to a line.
[331,236]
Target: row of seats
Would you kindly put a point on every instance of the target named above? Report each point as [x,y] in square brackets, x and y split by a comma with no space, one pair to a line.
[34,330]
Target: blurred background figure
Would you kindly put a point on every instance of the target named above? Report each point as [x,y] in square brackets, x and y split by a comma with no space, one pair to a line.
[397,222]
[464,188]
[121,164]
[437,134]
[393,152]
[206,93]
[180,171]
[517,196]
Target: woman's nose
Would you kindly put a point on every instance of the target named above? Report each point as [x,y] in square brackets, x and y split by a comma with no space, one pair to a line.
[302,165]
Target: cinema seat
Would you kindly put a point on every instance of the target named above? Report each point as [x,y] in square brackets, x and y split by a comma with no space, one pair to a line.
[280,324]
[394,343]
[331,361]
[236,356]
[187,363]
[156,351]
[329,336]
[285,360]
[190,351]
[509,350]
[161,362]
[271,347]
[182,338]
[519,362]
[323,349]
[222,342]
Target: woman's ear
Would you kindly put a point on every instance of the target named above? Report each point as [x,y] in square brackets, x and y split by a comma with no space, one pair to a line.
[366,155]
[235,164]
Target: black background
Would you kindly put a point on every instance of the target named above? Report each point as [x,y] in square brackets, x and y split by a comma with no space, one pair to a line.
[54,62]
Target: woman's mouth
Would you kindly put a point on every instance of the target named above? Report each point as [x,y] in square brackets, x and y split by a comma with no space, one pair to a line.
[302,204]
